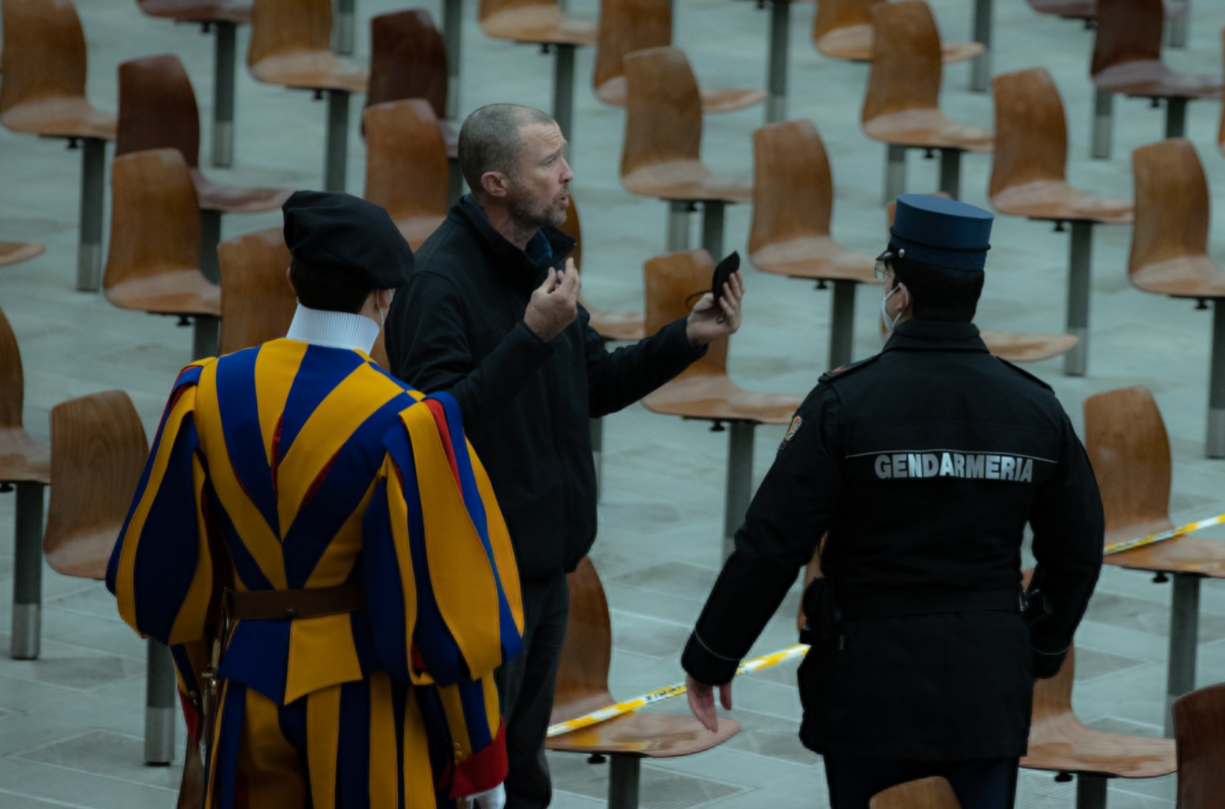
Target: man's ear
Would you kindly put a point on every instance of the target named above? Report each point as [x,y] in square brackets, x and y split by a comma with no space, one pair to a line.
[494,183]
[905,299]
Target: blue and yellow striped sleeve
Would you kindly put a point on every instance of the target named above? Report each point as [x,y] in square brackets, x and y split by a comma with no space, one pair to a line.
[442,587]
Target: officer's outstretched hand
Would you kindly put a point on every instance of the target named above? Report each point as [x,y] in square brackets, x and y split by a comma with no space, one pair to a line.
[702,699]
[709,320]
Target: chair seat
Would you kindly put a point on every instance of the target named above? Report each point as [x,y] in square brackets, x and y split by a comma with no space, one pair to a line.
[625,326]
[1068,9]
[612,92]
[61,118]
[854,44]
[539,24]
[1062,743]
[22,459]
[1151,78]
[687,180]
[1026,347]
[416,229]
[314,70]
[198,10]
[450,137]
[651,735]
[1186,554]
[236,198]
[170,292]
[1185,277]
[717,397]
[1055,199]
[929,128]
[817,257]
[17,252]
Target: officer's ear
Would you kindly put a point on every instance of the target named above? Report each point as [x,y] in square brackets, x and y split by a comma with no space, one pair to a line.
[905,301]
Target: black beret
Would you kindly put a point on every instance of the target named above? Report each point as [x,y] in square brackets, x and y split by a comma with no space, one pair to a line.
[348,236]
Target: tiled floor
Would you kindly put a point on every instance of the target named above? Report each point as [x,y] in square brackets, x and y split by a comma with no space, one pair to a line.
[71,723]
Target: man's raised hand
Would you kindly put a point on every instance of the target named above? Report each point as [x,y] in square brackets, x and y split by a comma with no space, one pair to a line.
[554,304]
[709,320]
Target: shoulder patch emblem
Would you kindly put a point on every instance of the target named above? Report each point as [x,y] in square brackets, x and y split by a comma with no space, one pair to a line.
[791,431]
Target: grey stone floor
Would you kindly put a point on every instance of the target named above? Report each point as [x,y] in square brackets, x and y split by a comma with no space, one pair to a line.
[71,722]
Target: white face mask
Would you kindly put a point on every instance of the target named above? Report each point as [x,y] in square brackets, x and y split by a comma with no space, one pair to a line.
[884,312]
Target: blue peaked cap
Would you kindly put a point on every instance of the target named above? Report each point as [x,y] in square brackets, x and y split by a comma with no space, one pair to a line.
[944,232]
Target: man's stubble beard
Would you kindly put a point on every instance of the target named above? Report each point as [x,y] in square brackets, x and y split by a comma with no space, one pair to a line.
[529,217]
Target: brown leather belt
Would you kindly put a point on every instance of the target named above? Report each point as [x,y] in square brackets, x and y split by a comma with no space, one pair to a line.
[274,605]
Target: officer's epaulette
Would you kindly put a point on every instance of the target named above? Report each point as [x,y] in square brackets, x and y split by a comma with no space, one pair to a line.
[1024,373]
[843,370]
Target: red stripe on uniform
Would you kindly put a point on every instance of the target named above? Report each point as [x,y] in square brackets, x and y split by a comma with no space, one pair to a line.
[440,419]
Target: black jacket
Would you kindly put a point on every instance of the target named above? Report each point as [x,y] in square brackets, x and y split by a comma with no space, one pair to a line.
[924,464]
[458,326]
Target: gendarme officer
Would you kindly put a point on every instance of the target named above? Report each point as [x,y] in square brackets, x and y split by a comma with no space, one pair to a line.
[923,464]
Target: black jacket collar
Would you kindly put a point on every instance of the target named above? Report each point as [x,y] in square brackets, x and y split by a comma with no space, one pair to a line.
[505,257]
[935,335]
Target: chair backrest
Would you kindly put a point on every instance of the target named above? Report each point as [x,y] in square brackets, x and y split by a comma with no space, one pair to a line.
[1031,132]
[663,110]
[155,217]
[12,378]
[833,15]
[1127,445]
[1172,205]
[627,26]
[670,281]
[257,301]
[44,52]
[98,453]
[408,59]
[406,159]
[1127,31]
[157,108]
[287,27]
[793,191]
[1199,736]
[573,228]
[906,60]
[582,674]
[927,793]
[1053,696]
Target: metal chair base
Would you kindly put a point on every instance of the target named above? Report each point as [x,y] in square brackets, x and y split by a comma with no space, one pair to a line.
[27,572]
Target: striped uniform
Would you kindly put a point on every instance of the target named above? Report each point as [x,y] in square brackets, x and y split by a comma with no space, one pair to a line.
[291,466]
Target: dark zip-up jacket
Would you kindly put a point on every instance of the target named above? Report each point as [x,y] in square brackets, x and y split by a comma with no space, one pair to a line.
[458,326]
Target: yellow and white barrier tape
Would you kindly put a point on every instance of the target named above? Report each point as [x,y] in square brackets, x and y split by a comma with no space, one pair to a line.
[801,649]
[1119,547]
[661,694]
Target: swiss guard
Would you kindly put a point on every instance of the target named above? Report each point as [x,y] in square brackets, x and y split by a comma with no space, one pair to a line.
[322,552]
[923,465]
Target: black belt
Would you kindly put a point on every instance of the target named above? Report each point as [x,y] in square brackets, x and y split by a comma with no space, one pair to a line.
[897,603]
[315,602]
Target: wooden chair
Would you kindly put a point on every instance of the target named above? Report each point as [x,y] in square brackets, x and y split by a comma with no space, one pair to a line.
[1130,453]
[704,390]
[408,59]
[406,166]
[290,46]
[1127,61]
[153,264]
[223,18]
[17,252]
[927,793]
[902,109]
[1198,720]
[842,29]
[157,110]
[98,454]
[43,93]
[1059,742]
[1169,251]
[1086,10]
[793,200]
[633,25]
[582,687]
[1027,179]
[661,153]
[257,300]
[542,22]
[1011,346]
[25,465]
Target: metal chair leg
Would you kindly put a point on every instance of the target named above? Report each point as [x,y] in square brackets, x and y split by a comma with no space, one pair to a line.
[160,688]
[739,481]
[597,453]
[1080,260]
[452,28]
[842,323]
[980,67]
[678,225]
[1175,117]
[895,172]
[346,26]
[623,779]
[1184,637]
[222,154]
[210,237]
[563,91]
[336,158]
[1103,125]
[28,572]
[776,77]
[93,187]
[205,336]
[712,227]
[1215,447]
[1090,791]
[950,172]
[1176,28]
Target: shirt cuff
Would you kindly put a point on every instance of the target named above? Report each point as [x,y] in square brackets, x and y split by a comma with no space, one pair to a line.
[705,665]
[1047,664]
[483,770]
